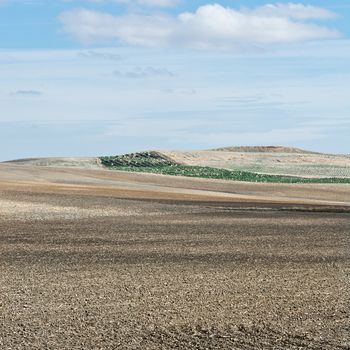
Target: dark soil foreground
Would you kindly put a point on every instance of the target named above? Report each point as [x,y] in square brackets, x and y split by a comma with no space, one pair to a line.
[174,276]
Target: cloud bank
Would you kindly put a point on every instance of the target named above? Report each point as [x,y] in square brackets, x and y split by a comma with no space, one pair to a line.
[144,72]
[27,93]
[210,26]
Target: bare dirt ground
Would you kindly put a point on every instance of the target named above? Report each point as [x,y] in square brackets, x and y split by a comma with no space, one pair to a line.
[93,259]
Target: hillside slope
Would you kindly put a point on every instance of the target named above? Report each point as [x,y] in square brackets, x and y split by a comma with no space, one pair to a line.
[264,149]
[272,160]
[267,160]
[66,162]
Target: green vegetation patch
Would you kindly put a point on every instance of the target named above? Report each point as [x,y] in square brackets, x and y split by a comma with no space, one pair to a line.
[154,162]
[136,160]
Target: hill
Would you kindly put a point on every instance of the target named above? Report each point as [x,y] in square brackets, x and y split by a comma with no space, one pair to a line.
[264,149]
[66,162]
[267,160]
[250,163]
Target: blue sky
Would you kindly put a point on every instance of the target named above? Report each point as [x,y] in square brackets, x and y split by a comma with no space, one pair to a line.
[111,76]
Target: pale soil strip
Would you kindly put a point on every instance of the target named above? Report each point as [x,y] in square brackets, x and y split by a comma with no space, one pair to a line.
[151,186]
[19,210]
[158,193]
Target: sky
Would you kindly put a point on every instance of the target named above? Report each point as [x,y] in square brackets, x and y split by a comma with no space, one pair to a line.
[103,77]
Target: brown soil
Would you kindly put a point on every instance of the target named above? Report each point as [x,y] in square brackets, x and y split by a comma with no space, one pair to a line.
[107,260]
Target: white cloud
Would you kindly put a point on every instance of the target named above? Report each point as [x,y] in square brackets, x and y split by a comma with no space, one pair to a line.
[211,26]
[91,26]
[144,72]
[94,55]
[296,11]
[161,3]
[27,93]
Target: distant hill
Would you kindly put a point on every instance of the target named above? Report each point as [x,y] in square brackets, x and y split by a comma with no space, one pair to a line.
[265,149]
[67,162]
[270,160]
[273,160]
